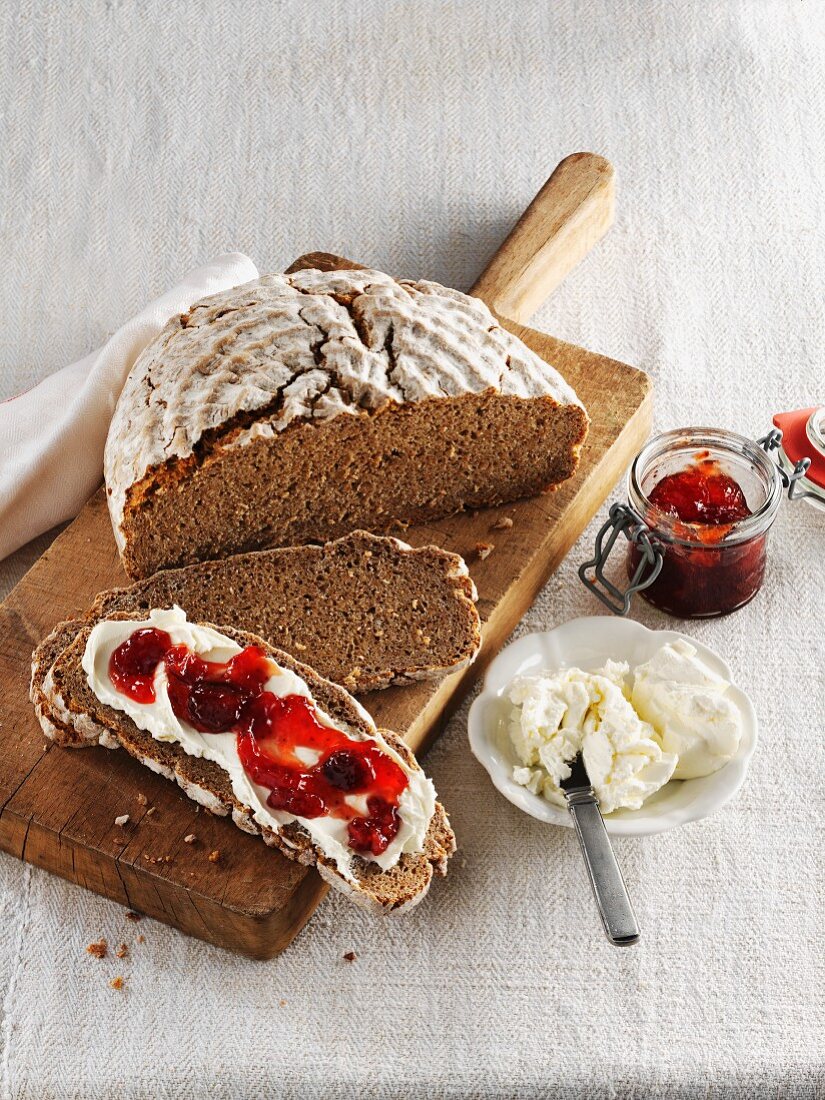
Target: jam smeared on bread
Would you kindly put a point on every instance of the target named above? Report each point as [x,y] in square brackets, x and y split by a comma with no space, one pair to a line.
[72,713]
[350,779]
[133,664]
[346,769]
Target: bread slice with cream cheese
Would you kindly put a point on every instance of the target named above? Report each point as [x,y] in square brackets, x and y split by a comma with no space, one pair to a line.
[72,714]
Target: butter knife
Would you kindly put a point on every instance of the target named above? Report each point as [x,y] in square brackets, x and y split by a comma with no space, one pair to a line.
[609,890]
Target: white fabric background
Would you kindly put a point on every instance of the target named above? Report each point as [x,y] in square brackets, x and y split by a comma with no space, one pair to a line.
[139,140]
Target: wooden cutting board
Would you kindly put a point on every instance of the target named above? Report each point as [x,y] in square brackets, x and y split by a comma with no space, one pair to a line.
[58,806]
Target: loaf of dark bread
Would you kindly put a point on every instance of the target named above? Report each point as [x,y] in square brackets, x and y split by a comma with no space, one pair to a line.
[71,714]
[299,407]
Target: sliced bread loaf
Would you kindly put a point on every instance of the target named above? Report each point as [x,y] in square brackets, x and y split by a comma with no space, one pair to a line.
[369,611]
[298,407]
[72,715]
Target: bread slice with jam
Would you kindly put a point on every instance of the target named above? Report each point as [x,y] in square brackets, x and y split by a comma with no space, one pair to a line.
[73,714]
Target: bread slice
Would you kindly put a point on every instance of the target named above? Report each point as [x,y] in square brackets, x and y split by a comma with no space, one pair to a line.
[367,611]
[298,407]
[72,715]
[42,660]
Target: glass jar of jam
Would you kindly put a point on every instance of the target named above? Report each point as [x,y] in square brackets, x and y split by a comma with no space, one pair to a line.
[709,498]
[701,502]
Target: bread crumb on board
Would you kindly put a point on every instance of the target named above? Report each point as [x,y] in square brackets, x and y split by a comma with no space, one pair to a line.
[142,800]
[215,856]
[100,949]
[123,819]
[484,549]
[190,838]
[502,524]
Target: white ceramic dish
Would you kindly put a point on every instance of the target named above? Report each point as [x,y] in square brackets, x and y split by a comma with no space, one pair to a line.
[588,643]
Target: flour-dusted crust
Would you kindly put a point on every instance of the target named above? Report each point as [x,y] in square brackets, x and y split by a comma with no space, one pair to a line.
[310,346]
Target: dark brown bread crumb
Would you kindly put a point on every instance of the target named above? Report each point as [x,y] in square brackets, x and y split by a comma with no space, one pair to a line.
[320,604]
[350,956]
[484,549]
[99,949]
[122,951]
[319,479]
[132,915]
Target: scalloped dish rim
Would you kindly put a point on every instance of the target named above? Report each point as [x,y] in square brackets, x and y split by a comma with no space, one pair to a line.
[589,642]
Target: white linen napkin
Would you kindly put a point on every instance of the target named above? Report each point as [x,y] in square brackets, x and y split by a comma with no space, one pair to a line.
[52,436]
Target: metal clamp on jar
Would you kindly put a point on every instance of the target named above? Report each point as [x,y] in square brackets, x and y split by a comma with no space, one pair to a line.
[700,504]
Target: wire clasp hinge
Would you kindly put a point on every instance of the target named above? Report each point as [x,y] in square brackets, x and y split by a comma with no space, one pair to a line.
[622,520]
[772,442]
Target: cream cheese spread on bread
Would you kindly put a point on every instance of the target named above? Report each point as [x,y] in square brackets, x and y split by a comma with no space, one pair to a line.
[416,803]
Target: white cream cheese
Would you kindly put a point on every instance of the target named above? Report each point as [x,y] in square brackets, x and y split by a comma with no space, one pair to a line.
[416,804]
[559,714]
[687,704]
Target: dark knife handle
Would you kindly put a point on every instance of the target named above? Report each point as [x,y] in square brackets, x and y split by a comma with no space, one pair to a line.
[609,889]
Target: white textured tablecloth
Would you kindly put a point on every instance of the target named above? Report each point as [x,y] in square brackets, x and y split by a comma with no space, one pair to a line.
[139,140]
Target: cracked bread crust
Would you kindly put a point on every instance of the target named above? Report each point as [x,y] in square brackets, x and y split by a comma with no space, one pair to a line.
[71,715]
[308,349]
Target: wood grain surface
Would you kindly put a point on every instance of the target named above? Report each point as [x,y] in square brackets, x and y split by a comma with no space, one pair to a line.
[58,806]
[572,211]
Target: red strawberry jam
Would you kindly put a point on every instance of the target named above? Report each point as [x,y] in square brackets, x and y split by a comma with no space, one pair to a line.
[275,734]
[701,493]
[704,572]
[132,665]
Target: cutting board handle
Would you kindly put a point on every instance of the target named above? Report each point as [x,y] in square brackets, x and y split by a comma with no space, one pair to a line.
[567,217]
